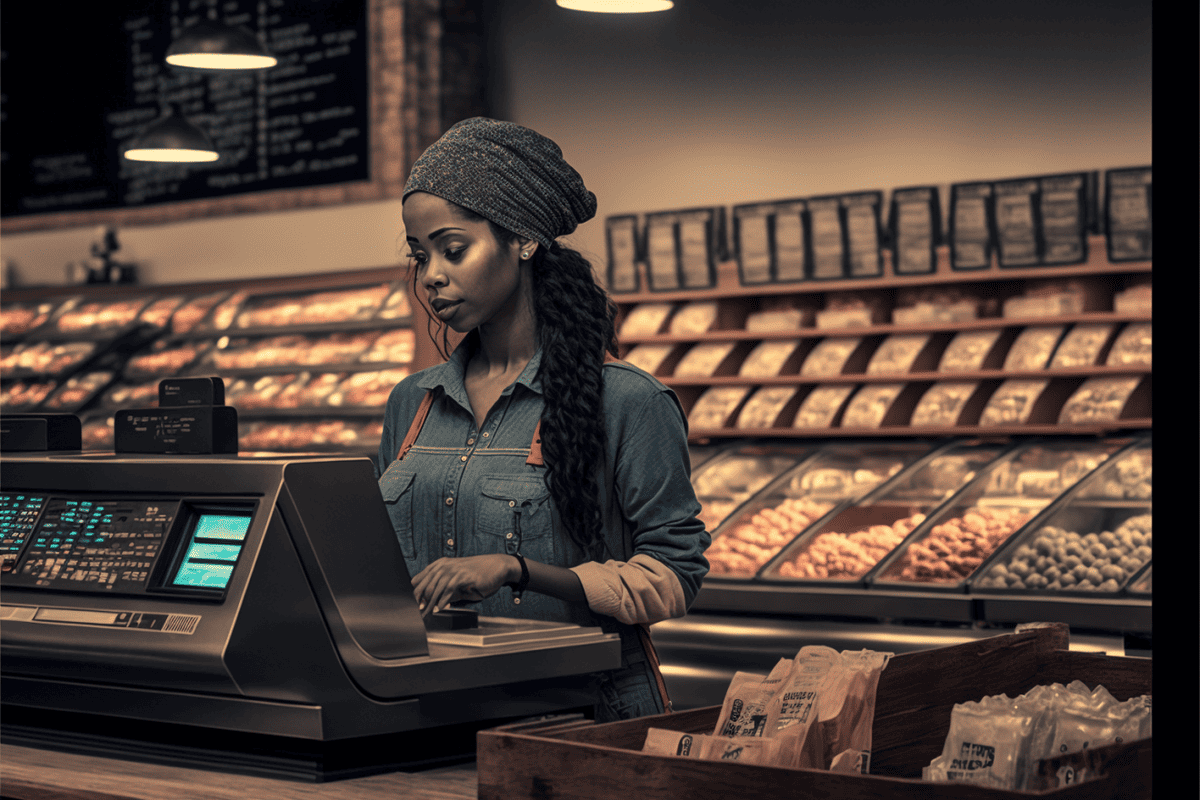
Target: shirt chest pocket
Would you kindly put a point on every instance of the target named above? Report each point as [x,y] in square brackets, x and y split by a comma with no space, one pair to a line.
[514,516]
[396,486]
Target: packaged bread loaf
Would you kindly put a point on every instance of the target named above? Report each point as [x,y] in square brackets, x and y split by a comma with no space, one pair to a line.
[967,351]
[703,359]
[852,310]
[897,353]
[645,319]
[821,406]
[745,546]
[77,391]
[696,317]
[649,357]
[395,347]
[829,356]
[1133,346]
[1134,300]
[1081,346]
[954,548]
[1012,402]
[1057,559]
[1098,400]
[933,305]
[1033,347]
[716,405]
[870,404]
[768,358]
[765,406]
[840,556]
[779,320]
[185,319]
[942,403]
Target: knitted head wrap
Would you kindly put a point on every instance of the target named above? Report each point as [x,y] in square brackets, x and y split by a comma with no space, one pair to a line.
[510,175]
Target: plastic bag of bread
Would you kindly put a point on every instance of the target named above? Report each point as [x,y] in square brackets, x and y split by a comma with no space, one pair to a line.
[870,404]
[829,356]
[1012,402]
[821,405]
[794,709]
[695,317]
[646,319]
[897,353]
[1081,347]
[846,712]
[711,748]
[649,356]
[776,320]
[764,406]
[942,403]
[767,358]
[703,359]
[1033,347]
[967,351]
[744,710]
[716,405]
[1134,346]
[1098,400]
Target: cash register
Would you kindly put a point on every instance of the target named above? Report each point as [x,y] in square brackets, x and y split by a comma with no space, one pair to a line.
[247,612]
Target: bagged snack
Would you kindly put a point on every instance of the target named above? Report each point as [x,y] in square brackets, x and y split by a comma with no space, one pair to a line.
[745,710]
[793,711]
[846,715]
[988,743]
[673,743]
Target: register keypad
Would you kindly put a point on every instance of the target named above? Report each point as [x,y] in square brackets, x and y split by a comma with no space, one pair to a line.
[18,514]
[97,545]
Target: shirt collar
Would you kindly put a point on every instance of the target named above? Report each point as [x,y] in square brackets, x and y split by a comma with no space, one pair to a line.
[451,376]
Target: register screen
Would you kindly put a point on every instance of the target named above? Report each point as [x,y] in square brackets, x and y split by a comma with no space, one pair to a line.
[212,550]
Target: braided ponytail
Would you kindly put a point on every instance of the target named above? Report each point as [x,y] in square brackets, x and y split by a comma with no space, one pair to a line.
[575,322]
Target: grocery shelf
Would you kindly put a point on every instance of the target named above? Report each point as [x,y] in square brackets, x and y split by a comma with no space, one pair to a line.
[700,435]
[907,377]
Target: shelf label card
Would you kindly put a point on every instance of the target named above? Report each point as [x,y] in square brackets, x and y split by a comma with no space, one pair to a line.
[1016,225]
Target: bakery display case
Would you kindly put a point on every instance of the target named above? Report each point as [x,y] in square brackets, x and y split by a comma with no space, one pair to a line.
[798,498]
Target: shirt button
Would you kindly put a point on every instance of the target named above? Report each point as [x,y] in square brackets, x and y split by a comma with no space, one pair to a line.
[508,535]
[512,503]
[450,542]
[449,501]
[470,441]
[486,434]
[463,458]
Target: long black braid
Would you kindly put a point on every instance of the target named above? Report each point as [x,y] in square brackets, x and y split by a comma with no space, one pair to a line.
[575,326]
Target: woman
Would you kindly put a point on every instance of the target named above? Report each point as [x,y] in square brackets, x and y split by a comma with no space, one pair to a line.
[529,474]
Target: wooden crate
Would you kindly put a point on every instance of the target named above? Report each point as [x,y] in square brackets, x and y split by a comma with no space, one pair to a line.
[579,759]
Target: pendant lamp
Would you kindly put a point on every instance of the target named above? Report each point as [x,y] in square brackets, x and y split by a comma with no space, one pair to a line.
[212,46]
[171,138]
[617,6]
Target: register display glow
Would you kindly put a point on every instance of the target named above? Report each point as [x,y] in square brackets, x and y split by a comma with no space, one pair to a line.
[215,545]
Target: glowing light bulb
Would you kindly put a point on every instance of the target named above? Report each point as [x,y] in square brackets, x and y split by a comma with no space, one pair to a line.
[617,6]
[170,154]
[221,61]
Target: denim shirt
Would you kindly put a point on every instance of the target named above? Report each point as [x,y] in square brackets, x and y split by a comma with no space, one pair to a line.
[464,490]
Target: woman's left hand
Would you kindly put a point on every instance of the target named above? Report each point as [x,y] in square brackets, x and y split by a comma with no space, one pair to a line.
[472,578]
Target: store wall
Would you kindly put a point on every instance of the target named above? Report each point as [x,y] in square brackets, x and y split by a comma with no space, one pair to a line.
[725,101]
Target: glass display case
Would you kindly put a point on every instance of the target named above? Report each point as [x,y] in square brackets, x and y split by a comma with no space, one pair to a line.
[953,543]
[846,547]
[727,481]
[798,498]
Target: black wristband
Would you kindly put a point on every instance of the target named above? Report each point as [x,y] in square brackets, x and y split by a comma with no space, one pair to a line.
[519,586]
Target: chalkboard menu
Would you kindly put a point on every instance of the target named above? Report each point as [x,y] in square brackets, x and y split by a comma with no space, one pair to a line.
[79,84]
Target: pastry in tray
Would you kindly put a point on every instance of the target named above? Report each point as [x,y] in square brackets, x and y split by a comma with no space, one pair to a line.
[942,403]
[847,556]
[716,405]
[25,395]
[100,315]
[77,391]
[821,405]
[744,546]
[1033,348]
[396,306]
[953,549]
[159,312]
[189,315]
[395,347]
[168,362]
[222,316]
[870,404]
[366,388]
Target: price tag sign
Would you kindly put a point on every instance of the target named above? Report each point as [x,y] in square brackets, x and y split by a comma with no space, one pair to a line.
[916,229]
[825,220]
[622,253]
[862,233]
[696,250]
[1064,218]
[1016,222]
[753,235]
[1127,212]
[791,260]
[662,252]
[971,240]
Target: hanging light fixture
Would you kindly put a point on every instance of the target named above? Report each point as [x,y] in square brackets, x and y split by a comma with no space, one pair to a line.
[212,46]
[617,6]
[171,138]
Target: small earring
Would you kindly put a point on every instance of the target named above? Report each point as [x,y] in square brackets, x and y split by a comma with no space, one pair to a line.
[525,254]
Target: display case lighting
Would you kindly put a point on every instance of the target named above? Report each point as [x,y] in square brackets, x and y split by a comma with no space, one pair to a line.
[617,6]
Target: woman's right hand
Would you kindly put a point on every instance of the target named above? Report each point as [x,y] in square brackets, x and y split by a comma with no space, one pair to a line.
[472,579]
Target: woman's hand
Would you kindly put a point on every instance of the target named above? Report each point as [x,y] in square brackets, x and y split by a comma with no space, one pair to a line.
[472,578]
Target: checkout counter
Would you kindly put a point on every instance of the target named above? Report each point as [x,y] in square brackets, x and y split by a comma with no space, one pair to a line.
[249,613]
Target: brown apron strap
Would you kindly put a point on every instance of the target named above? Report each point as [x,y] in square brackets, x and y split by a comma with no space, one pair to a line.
[535,447]
[652,657]
[414,430]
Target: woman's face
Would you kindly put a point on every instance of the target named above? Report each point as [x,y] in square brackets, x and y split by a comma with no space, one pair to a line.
[470,279]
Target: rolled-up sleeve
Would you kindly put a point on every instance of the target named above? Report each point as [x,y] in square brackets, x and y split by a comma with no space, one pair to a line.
[653,489]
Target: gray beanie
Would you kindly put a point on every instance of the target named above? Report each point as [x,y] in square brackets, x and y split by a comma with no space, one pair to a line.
[510,175]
